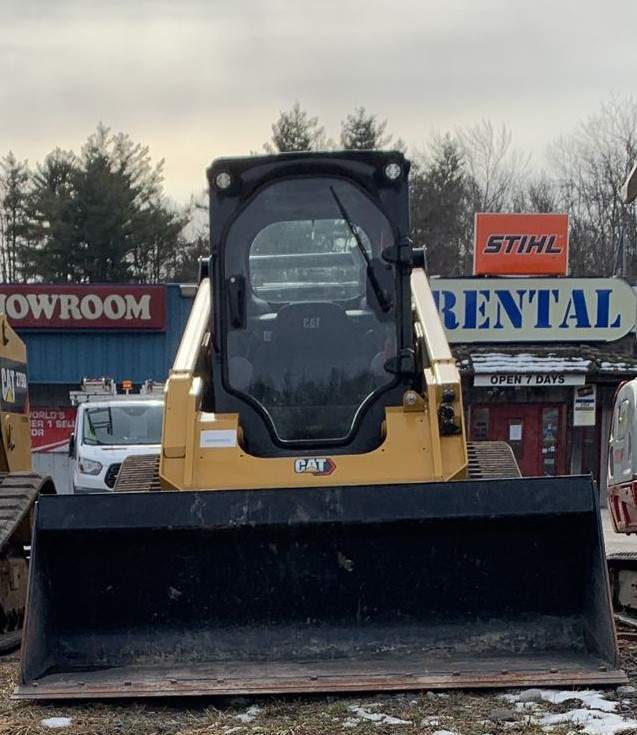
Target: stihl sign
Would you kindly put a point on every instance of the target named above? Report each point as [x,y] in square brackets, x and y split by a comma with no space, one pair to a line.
[84,307]
[520,245]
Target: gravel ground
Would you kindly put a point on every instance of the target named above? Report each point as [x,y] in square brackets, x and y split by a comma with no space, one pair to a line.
[459,713]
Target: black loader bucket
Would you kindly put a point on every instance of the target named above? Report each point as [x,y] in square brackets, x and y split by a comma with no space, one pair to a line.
[480,583]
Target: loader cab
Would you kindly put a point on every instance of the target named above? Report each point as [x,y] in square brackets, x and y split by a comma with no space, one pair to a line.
[312,334]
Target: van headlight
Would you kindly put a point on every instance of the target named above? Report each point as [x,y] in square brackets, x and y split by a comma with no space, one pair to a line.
[90,467]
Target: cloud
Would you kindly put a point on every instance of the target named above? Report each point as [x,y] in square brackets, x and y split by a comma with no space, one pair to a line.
[199,79]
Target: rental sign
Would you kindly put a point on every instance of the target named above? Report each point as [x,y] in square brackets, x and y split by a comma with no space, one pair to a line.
[535,309]
[520,244]
[41,306]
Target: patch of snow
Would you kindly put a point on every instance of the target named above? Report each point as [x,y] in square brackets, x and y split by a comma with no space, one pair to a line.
[588,697]
[56,722]
[596,716]
[250,714]
[445,732]
[430,722]
[227,730]
[363,713]
[618,367]
[524,362]
[592,722]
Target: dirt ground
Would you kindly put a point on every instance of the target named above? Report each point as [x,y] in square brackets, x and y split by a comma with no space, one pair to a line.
[426,713]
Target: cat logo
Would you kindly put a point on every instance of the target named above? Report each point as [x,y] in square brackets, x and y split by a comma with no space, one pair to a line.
[314,466]
[311,322]
[8,381]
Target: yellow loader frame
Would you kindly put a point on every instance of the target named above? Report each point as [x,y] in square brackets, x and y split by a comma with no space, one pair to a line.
[412,449]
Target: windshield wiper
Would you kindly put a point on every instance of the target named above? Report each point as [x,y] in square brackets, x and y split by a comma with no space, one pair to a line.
[379,292]
[95,442]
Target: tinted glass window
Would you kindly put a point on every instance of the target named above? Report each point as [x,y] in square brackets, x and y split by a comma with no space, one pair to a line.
[314,347]
[308,259]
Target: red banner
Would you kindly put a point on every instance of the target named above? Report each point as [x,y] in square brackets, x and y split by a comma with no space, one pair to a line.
[41,306]
[51,428]
[520,244]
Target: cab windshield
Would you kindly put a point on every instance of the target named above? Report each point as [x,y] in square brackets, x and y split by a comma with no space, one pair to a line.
[122,425]
[315,344]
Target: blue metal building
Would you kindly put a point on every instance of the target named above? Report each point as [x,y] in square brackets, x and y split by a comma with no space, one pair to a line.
[59,358]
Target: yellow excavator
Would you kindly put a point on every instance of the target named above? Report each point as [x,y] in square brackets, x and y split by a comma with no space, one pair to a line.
[316,520]
[19,486]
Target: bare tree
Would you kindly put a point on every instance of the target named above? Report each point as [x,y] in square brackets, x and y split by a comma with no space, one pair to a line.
[494,167]
[536,193]
[590,166]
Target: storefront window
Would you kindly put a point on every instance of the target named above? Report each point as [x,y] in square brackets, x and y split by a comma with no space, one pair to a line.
[514,434]
[479,423]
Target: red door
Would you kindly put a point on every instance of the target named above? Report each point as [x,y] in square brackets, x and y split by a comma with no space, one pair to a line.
[532,430]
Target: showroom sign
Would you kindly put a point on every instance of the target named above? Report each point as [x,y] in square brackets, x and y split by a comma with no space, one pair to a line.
[535,309]
[40,306]
[520,244]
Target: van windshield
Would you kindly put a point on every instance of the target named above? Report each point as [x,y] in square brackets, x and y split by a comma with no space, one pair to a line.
[122,425]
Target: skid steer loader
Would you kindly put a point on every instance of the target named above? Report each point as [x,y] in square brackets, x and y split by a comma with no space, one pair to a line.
[317,528]
[19,486]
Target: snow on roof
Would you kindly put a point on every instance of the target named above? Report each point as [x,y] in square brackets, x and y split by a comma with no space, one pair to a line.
[524,362]
[618,367]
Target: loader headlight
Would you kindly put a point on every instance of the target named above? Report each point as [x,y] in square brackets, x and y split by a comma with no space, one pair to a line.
[90,467]
[223,180]
[393,171]
[447,420]
[448,395]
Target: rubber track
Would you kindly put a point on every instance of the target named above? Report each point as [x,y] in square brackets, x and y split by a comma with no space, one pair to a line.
[18,493]
[491,460]
[139,472]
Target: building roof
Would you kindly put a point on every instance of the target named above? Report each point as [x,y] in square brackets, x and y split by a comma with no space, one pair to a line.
[604,361]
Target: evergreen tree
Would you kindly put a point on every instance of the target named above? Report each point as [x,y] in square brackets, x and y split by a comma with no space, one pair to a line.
[295,130]
[362,131]
[15,180]
[441,213]
[101,217]
[51,254]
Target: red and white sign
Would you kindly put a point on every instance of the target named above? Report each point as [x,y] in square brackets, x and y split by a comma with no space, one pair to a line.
[40,306]
[51,428]
[520,244]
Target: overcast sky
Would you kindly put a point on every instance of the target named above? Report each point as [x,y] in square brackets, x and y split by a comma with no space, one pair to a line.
[198,79]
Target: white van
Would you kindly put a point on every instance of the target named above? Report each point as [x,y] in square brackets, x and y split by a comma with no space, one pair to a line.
[106,432]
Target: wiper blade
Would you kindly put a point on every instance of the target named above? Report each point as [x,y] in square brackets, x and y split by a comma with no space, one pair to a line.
[379,292]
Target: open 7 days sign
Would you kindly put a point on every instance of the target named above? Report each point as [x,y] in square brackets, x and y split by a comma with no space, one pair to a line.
[535,309]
